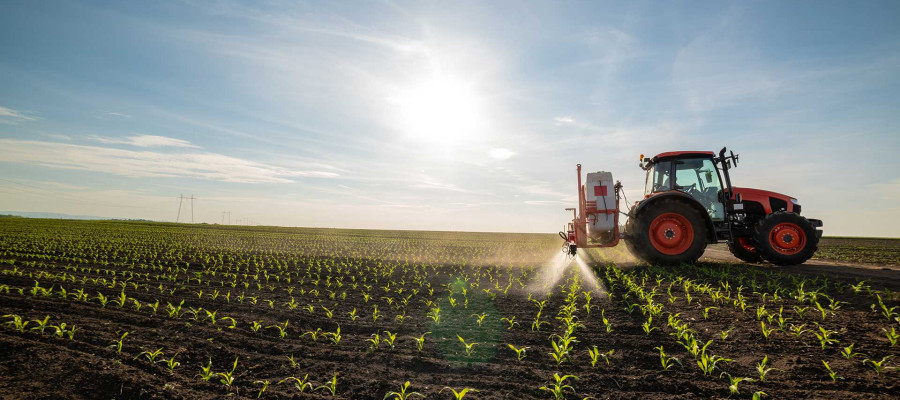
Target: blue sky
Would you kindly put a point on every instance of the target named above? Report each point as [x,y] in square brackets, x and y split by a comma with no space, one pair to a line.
[436,115]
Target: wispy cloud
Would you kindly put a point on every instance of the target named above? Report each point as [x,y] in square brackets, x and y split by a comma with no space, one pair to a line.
[13,117]
[207,166]
[564,120]
[501,153]
[146,141]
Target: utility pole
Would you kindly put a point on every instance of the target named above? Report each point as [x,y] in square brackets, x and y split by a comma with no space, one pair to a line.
[180,199]
[224,213]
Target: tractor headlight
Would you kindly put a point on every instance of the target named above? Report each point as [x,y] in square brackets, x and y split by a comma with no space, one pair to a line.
[795,201]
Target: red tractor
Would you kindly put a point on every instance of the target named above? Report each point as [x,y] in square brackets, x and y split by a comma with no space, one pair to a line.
[688,205]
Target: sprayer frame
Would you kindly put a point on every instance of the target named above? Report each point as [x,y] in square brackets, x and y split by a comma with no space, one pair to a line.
[580,221]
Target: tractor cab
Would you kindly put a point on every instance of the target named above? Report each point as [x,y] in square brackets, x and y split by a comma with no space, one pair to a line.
[692,173]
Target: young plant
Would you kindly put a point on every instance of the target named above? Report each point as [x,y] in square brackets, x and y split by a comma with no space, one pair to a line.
[733,382]
[265,385]
[206,371]
[762,370]
[848,353]
[458,395]
[470,346]
[171,364]
[300,384]
[117,344]
[42,324]
[334,337]
[16,322]
[330,386]
[479,318]
[389,338]
[558,388]
[878,366]
[151,355]
[824,337]
[666,361]
[420,341]
[520,352]
[892,336]
[227,378]
[831,373]
[708,362]
[511,321]
[403,394]
[647,325]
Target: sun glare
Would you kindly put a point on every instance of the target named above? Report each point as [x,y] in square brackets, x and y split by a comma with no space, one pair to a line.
[441,111]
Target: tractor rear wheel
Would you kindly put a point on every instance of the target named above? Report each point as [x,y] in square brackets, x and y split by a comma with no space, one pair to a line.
[667,232]
[744,250]
[785,238]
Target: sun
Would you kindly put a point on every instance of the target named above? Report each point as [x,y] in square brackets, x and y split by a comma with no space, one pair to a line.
[441,110]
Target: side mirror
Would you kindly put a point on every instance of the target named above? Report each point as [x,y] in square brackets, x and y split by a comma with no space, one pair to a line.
[708,177]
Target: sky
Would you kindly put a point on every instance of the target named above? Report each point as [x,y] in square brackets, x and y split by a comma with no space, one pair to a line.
[439,115]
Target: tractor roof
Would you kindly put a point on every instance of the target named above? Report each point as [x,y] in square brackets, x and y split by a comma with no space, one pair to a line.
[684,154]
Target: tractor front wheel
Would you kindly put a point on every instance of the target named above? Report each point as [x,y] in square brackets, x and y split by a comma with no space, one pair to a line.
[668,232]
[785,238]
[744,250]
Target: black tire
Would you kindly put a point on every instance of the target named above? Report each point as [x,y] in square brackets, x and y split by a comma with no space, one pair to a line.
[641,245]
[785,227]
[743,254]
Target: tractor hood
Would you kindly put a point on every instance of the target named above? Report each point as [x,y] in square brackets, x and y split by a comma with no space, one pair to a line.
[770,201]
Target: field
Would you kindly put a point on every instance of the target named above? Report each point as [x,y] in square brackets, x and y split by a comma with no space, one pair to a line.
[128,310]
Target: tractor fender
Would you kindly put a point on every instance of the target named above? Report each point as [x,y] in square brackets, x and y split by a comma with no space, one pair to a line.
[680,196]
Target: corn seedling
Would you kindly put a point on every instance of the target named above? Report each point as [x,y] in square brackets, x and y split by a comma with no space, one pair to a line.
[724,334]
[647,325]
[831,373]
[171,364]
[733,382]
[824,337]
[255,326]
[758,395]
[707,310]
[314,335]
[798,330]
[848,353]
[117,344]
[300,384]
[403,394]
[470,347]
[878,366]
[42,324]
[227,378]
[330,386]
[666,361]
[206,371]
[520,352]
[459,395]
[61,330]
[151,355]
[265,385]
[707,362]
[511,321]
[892,336]
[558,388]
[479,318]
[766,331]
[389,338]
[435,314]
[420,341]
[334,337]
[762,370]
[292,360]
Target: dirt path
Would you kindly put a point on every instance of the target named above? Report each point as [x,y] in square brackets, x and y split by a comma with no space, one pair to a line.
[878,275]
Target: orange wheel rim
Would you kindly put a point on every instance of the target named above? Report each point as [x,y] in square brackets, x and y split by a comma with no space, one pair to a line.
[745,243]
[671,234]
[787,238]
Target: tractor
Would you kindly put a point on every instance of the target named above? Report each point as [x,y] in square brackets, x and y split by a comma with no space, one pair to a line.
[688,203]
